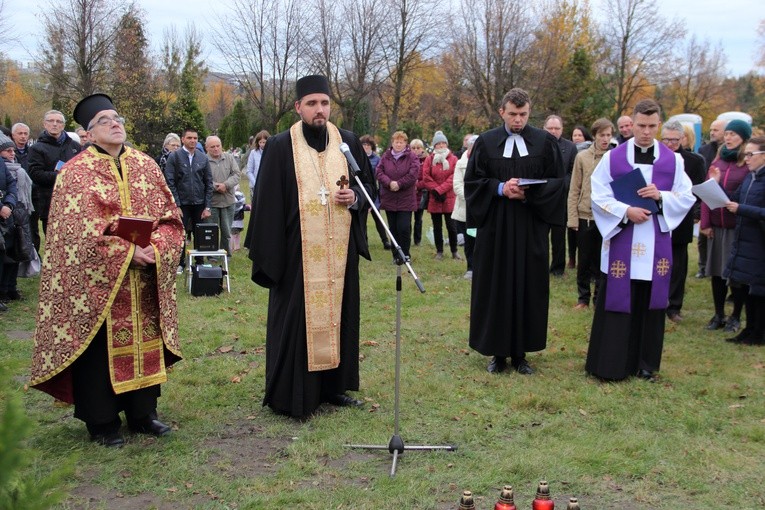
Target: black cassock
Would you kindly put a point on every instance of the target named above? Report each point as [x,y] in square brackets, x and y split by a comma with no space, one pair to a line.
[277,264]
[510,292]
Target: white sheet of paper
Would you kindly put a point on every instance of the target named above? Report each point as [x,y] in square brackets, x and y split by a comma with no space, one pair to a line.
[711,194]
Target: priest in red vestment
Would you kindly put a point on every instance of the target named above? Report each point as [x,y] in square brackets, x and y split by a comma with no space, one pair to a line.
[107,325]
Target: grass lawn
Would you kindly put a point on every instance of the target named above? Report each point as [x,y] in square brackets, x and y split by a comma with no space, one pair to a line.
[695,439]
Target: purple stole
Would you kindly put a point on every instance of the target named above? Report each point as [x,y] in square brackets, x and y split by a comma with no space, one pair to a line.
[620,248]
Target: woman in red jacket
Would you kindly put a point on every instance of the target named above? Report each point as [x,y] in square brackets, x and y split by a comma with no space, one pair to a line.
[729,170]
[438,173]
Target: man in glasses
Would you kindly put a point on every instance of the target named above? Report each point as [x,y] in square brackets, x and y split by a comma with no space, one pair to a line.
[46,158]
[107,325]
[673,136]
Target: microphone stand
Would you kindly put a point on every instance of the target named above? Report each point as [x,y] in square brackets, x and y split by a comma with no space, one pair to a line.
[396,444]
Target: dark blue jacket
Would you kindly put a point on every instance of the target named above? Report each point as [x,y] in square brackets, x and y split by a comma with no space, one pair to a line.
[190,184]
[747,260]
[8,193]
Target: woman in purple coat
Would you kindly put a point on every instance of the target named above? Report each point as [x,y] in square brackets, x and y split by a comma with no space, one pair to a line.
[397,173]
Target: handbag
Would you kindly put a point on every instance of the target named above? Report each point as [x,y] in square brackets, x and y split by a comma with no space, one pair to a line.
[23,248]
[32,268]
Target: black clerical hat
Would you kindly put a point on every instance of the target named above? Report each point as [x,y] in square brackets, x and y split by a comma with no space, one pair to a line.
[313,84]
[87,108]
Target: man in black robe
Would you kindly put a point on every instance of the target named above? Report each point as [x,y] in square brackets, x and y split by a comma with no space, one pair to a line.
[673,136]
[511,283]
[293,386]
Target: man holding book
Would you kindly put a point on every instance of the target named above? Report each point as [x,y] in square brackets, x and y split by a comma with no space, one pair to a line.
[640,193]
[107,324]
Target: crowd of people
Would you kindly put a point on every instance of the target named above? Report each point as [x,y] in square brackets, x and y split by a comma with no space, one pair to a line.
[526,203]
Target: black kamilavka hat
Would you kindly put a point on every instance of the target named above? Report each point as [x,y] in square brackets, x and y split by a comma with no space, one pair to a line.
[88,107]
[313,84]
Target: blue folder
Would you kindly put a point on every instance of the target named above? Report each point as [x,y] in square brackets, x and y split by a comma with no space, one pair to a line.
[625,190]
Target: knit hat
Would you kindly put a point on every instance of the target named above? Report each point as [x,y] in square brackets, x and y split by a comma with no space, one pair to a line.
[438,138]
[5,142]
[741,128]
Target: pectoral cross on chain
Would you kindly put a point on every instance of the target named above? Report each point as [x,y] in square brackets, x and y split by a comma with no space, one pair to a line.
[323,193]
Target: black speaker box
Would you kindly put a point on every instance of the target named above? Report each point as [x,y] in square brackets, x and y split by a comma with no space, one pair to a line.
[206,237]
[206,280]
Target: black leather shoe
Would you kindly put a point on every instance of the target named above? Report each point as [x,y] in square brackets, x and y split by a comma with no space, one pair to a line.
[497,364]
[716,322]
[151,427]
[732,325]
[742,336]
[3,307]
[522,367]
[110,440]
[646,375]
[343,400]
[674,316]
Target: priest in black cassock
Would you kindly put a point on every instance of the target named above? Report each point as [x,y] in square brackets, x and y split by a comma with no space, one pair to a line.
[309,231]
[511,284]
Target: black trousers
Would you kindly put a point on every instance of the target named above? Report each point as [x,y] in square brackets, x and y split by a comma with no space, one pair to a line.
[469,242]
[95,402]
[192,215]
[623,343]
[418,226]
[702,252]
[400,225]
[558,244]
[381,230]
[588,240]
[438,233]
[677,279]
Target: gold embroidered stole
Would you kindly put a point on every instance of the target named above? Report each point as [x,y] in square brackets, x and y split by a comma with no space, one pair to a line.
[325,231]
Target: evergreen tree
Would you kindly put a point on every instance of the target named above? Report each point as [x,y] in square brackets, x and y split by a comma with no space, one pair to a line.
[234,129]
[134,88]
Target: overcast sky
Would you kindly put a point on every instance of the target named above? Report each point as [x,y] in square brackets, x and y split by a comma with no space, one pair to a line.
[731,22]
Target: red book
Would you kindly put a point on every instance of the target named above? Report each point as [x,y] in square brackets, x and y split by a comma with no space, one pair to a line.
[135,230]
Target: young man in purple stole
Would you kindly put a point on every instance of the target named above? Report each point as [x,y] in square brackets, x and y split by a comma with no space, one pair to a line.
[636,255]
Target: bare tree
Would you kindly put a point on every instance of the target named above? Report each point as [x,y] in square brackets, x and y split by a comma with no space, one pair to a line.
[760,46]
[263,52]
[79,36]
[410,36]
[349,50]
[640,45]
[698,76]
[491,45]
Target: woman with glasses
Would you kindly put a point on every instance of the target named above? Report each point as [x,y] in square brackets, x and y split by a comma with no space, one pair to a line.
[746,265]
[171,144]
[729,170]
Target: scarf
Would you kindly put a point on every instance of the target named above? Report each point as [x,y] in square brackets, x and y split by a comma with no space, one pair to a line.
[439,157]
[397,155]
[729,155]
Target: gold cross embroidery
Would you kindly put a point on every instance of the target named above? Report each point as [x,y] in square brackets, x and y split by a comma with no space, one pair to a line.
[638,249]
[618,269]
[663,266]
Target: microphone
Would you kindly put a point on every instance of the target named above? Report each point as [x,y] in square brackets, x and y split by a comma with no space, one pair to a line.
[351,160]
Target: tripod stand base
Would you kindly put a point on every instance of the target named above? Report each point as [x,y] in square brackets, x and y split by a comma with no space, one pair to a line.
[396,447]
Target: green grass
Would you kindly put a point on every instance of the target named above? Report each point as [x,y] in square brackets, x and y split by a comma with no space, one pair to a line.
[697,436]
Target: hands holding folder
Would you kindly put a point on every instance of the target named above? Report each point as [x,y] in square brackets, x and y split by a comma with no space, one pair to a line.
[642,198]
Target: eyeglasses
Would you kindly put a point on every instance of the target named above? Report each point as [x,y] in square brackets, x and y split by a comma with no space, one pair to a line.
[106,120]
[750,154]
[670,140]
